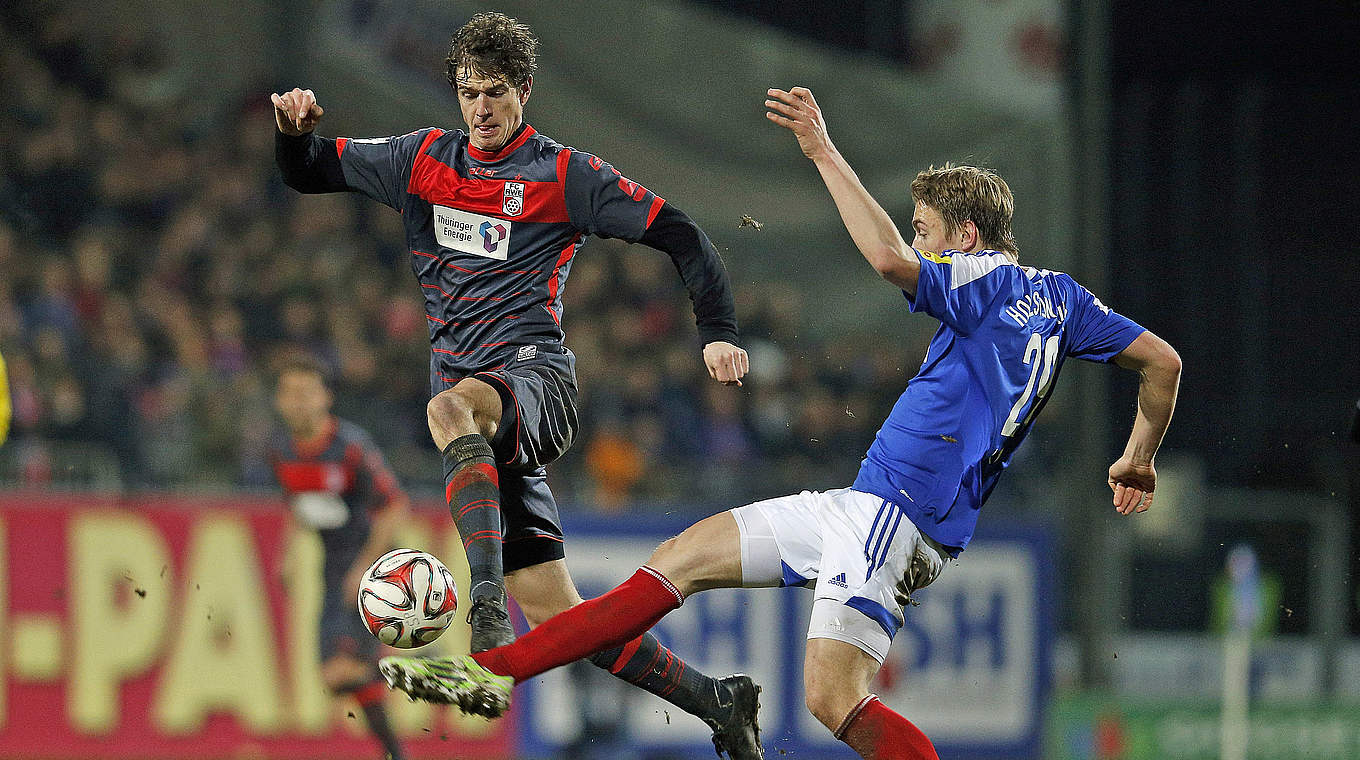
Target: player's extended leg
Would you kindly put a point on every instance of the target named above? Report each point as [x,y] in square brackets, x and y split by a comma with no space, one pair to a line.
[463,419]
[705,556]
[729,705]
[836,679]
[344,674]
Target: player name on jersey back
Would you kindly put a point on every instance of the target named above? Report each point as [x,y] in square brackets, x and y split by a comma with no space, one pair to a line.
[472,233]
[1035,304]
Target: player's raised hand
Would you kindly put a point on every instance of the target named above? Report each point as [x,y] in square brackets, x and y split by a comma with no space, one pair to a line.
[296,111]
[1132,485]
[797,111]
[726,363]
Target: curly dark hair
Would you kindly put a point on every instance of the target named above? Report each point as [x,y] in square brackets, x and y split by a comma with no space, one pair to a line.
[493,45]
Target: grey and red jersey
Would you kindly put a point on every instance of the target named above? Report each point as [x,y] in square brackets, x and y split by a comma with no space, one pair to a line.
[332,485]
[492,236]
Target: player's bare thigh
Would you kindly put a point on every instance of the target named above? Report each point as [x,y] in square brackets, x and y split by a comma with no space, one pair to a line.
[836,677]
[706,555]
[470,406]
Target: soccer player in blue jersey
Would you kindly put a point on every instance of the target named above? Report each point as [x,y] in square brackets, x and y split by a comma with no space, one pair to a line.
[337,485]
[493,217]
[1005,331]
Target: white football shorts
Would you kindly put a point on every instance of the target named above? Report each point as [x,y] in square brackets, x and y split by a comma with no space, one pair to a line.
[855,549]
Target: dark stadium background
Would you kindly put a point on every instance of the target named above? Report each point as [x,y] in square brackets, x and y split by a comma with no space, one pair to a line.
[152,266]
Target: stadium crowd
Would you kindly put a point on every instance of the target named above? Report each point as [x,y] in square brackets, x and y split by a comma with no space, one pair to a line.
[156,267]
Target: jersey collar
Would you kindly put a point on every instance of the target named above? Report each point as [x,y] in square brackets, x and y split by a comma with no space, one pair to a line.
[489,156]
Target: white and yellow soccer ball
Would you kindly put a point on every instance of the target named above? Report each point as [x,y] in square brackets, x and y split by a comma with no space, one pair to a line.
[407,598]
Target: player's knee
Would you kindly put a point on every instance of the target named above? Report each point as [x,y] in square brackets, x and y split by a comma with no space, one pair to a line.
[453,413]
[830,689]
[820,700]
[673,561]
[446,406]
[667,550]
[828,701]
[449,412]
[689,563]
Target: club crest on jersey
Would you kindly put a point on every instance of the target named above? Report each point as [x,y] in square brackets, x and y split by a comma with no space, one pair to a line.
[513,205]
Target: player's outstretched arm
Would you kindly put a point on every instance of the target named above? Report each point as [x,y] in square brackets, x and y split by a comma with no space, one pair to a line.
[1133,477]
[705,277]
[869,225]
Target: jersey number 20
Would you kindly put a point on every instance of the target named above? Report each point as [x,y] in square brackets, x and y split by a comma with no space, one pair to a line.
[1041,356]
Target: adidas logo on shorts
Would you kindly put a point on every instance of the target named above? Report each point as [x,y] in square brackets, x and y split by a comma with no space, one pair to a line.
[839,580]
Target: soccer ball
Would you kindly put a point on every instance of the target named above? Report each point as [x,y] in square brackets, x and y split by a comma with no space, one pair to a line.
[407,598]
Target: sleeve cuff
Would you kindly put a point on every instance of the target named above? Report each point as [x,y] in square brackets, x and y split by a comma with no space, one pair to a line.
[711,335]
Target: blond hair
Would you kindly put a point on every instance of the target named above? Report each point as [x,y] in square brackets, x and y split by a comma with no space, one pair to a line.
[960,193]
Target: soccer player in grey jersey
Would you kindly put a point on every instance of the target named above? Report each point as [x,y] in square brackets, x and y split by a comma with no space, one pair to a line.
[493,217]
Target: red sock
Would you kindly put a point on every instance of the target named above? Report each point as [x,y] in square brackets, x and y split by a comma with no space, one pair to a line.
[604,622]
[878,733]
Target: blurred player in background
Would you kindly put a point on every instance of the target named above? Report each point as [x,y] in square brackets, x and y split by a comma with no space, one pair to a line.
[1004,333]
[338,485]
[493,217]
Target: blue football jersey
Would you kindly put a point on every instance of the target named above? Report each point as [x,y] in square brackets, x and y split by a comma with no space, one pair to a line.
[1004,333]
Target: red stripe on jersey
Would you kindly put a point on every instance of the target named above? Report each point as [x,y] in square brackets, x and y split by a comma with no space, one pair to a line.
[420,154]
[492,298]
[340,143]
[504,150]
[657,203]
[473,298]
[554,279]
[473,322]
[452,265]
[436,287]
[563,158]
[438,183]
[299,477]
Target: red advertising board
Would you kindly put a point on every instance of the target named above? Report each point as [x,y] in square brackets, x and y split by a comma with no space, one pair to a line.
[172,627]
